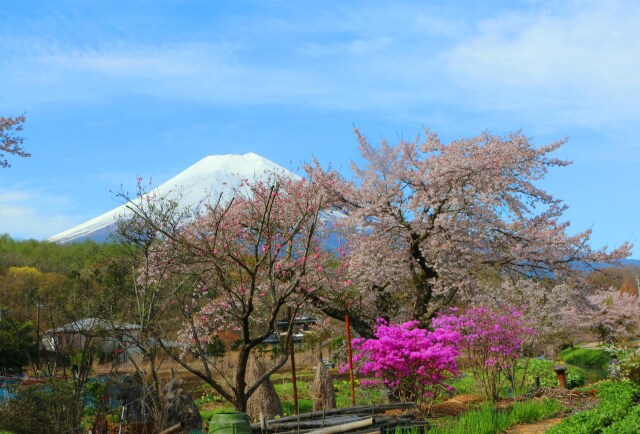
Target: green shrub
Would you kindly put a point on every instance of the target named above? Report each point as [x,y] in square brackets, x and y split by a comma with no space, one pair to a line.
[17,345]
[616,398]
[43,408]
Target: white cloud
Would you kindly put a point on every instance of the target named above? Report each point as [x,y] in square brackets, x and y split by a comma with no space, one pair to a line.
[579,61]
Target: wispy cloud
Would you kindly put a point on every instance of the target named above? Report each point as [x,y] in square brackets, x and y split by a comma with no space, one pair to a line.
[28,213]
[575,59]
[345,58]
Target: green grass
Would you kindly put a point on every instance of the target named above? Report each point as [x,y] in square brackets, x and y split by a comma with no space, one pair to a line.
[304,405]
[489,420]
[466,384]
[585,357]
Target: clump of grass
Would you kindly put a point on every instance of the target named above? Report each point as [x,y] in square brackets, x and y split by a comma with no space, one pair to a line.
[532,411]
[487,419]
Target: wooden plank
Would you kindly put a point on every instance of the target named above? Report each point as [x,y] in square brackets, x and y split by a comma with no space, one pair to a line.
[360,409]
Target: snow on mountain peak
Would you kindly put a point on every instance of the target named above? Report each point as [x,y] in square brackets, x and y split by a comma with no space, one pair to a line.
[203,179]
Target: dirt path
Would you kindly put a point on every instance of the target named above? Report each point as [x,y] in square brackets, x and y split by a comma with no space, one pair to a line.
[534,428]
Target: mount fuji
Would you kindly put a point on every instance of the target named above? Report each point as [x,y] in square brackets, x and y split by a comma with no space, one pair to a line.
[206,178]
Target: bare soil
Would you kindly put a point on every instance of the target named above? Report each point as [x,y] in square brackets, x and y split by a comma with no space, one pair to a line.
[534,428]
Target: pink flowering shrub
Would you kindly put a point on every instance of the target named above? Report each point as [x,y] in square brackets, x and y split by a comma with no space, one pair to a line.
[413,362]
[492,342]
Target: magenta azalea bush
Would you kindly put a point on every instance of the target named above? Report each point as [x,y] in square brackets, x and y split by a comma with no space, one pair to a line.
[492,342]
[412,362]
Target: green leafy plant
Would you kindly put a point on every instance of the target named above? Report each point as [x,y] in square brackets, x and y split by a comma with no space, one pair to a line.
[628,425]
[616,399]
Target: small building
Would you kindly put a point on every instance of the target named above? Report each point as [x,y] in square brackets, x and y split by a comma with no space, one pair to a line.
[118,340]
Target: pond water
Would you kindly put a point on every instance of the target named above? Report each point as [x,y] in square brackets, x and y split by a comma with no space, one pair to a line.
[594,374]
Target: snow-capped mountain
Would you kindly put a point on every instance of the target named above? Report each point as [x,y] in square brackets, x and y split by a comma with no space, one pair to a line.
[206,178]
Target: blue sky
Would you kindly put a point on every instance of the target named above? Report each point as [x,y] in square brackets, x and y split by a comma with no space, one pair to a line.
[113,90]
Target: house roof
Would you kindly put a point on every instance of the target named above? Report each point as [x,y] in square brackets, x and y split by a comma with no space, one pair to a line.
[91,325]
[273,339]
[297,321]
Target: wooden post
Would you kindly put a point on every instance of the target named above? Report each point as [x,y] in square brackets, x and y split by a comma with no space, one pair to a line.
[562,378]
[293,364]
[172,429]
[353,391]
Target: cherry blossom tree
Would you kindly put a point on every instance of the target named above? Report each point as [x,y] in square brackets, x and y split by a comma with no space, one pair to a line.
[235,266]
[615,315]
[545,306]
[10,140]
[425,218]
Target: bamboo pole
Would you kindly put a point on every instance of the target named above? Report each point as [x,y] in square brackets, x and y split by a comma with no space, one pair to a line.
[353,391]
[344,427]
